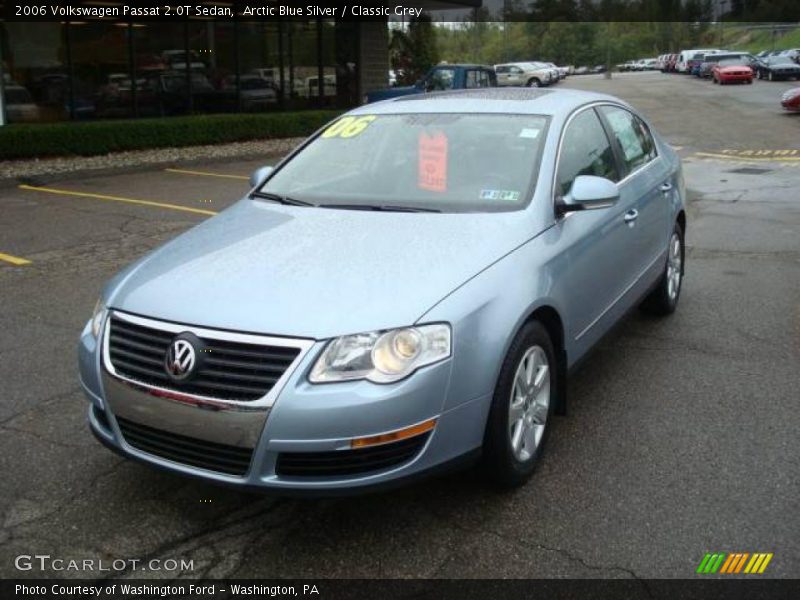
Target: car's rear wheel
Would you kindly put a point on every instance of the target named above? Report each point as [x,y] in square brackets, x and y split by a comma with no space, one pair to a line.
[522,406]
[664,298]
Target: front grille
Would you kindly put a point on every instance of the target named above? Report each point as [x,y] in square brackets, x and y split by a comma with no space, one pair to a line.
[226,370]
[212,456]
[349,462]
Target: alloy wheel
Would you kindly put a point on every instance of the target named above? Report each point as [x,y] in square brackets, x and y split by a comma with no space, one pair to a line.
[674,267]
[529,403]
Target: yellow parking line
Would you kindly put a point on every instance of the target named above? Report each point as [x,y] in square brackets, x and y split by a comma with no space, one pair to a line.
[199,211]
[206,174]
[14,260]
[747,158]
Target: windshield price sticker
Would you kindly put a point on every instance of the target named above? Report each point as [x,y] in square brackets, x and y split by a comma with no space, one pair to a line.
[432,166]
[348,127]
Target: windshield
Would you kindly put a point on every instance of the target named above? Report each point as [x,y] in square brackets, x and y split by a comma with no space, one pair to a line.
[781,60]
[442,162]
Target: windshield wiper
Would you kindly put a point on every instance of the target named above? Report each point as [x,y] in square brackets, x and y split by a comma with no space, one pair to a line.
[280,199]
[381,207]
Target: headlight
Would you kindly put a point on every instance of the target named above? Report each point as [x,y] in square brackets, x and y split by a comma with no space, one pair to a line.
[382,356]
[97,317]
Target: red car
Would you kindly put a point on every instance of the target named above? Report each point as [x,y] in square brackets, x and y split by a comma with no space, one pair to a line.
[731,71]
[791,100]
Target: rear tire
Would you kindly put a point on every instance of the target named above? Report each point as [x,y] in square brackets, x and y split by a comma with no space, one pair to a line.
[663,300]
[522,408]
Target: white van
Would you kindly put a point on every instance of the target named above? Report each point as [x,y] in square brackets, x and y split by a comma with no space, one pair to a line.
[686,55]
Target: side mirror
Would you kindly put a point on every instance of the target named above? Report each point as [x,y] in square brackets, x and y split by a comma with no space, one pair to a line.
[259,176]
[589,192]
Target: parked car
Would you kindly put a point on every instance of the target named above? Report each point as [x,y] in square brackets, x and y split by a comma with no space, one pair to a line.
[682,64]
[562,71]
[710,60]
[648,64]
[732,70]
[345,358]
[524,74]
[777,68]
[440,78]
[791,100]
[20,106]
[256,93]
[628,65]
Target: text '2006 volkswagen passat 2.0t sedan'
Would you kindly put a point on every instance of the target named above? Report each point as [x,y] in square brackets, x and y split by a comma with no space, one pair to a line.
[405,292]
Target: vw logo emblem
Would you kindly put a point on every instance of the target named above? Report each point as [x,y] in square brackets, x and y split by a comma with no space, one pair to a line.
[181,359]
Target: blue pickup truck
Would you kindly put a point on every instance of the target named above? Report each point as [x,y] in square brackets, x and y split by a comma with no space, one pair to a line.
[439,78]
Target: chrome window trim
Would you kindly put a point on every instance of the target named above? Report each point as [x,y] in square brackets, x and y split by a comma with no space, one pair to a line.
[567,123]
[265,402]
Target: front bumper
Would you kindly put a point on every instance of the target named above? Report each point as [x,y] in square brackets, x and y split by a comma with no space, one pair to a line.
[302,420]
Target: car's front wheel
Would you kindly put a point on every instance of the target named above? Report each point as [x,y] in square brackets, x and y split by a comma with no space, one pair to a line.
[522,406]
[534,82]
[664,298]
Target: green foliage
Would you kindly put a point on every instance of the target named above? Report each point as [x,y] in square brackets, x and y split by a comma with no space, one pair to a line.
[564,42]
[38,140]
[413,52]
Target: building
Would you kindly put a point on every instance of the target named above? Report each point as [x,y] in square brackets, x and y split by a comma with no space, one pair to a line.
[104,69]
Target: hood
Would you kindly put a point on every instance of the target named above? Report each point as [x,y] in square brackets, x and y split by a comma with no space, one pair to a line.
[313,272]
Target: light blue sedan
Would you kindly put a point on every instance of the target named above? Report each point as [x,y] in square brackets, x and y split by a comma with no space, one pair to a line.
[405,292]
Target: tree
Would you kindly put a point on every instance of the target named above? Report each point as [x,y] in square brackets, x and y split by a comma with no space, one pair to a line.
[414,52]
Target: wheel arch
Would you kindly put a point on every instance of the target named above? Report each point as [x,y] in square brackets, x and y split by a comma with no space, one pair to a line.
[681,220]
[551,320]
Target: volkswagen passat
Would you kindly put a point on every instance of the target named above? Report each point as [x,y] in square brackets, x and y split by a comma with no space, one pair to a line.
[405,291]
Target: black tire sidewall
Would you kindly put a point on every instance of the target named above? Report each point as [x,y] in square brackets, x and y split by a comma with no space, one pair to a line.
[499,460]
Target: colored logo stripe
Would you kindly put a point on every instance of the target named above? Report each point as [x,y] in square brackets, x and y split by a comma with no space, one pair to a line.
[734,562]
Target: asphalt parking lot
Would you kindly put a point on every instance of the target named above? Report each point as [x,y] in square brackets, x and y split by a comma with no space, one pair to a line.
[681,437]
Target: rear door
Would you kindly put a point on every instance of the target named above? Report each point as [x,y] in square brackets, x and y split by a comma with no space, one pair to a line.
[646,179]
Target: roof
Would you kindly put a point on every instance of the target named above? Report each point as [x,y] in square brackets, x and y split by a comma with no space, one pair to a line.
[512,100]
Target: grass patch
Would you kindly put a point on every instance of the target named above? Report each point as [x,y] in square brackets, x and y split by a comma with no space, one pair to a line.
[39,140]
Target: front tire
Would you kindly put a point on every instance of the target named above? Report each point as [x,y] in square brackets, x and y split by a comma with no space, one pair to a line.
[522,407]
[534,82]
[663,300]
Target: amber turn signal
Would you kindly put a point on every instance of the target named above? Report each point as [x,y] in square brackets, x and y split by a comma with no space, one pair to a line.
[393,436]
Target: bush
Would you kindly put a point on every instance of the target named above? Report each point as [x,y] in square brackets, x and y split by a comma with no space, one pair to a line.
[37,140]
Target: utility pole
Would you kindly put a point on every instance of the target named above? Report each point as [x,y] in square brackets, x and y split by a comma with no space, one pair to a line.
[607,74]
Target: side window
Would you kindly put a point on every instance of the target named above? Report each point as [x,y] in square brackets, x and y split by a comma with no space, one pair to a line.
[632,135]
[585,150]
[471,80]
[501,70]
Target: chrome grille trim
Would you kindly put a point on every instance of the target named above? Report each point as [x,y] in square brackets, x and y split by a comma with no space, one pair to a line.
[302,346]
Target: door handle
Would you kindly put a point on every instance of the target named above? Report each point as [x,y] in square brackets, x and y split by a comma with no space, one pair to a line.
[666,187]
[631,216]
